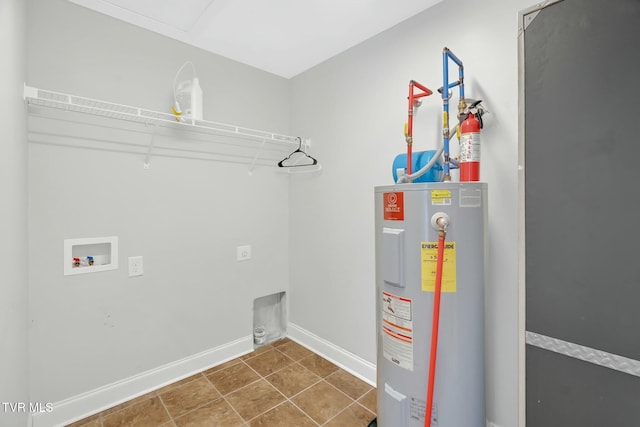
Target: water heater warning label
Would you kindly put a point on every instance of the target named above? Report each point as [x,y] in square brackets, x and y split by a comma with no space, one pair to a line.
[418,407]
[441,197]
[429,263]
[397,330]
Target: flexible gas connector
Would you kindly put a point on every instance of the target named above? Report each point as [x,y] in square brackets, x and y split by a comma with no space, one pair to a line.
[443,223]
[440,221]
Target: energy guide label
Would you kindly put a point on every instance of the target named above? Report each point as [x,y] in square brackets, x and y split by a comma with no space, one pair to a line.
[397,330]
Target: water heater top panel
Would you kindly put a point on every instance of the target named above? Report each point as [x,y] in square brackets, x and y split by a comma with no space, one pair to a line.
[432,186]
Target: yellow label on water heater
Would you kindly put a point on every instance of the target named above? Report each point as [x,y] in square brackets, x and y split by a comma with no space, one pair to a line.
[429,257]
[440,197]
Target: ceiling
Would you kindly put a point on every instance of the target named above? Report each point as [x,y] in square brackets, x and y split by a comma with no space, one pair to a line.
[284,37]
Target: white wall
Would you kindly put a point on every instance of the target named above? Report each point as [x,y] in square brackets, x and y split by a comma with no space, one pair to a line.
[185,217]
[353,107]
[13,214]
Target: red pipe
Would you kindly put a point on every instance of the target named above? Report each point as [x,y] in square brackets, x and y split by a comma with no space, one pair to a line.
[409,133]
[435,326]
[423,88]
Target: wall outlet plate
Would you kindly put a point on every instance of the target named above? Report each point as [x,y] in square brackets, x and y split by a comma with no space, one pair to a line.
[244,253]
[135,266]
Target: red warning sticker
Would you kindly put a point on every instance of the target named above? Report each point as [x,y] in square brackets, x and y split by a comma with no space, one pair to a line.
[393,206]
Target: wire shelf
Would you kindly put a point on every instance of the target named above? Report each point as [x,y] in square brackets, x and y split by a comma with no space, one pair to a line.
[46,98]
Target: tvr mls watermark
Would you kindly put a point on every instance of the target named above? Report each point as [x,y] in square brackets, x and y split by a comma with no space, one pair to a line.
[33,407]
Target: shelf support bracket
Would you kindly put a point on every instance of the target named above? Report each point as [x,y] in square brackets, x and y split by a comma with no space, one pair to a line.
[147,157]
[253,163]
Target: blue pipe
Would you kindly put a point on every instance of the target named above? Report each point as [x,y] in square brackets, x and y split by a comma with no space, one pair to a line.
[446,55]
[453,57]
[445,112]
[461,79]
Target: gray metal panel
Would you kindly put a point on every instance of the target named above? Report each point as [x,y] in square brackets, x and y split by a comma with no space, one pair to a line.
[392,248]
[567,392]
[582,198]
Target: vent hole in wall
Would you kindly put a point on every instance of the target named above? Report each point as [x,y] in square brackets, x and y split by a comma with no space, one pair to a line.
[269,319]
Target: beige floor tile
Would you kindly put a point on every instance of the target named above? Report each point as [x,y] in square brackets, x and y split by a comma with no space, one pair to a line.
[318,365]
[281,341]
[348,384]
[284,415]
[257,351]
[222,366]
[149,413]
[354,416]
[293,379]
[294,350]
[249,399]
[93,421]
[370,401]
[233,378]
[178,383]
[255,399]
[269,362]
[214,414]
[189,396]
[133,401]
[322,402]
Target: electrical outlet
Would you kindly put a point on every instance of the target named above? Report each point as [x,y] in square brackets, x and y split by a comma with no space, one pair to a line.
[244,253]
[135,266]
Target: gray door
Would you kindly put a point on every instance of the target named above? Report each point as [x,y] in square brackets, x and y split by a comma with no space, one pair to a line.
[580,77]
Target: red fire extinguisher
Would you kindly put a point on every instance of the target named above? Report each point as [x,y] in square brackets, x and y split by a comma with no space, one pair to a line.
[470,145]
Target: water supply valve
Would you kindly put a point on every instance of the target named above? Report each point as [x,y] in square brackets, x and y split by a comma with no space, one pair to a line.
[440,221]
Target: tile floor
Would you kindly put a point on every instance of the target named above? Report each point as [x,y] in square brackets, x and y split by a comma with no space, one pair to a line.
[280,384]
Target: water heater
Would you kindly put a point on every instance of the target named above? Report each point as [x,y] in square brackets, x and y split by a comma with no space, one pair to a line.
[406,256]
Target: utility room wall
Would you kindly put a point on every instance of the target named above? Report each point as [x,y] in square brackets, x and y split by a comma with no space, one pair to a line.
[355,105]
[185,217]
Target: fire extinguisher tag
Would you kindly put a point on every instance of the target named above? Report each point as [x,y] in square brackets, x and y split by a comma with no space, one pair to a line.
[470,147]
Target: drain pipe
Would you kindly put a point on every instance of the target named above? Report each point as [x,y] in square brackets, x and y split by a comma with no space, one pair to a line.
[408,127]
[408,178]
[444,90]
[440,221]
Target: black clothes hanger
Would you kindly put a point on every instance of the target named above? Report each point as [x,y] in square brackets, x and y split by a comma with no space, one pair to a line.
[299,150]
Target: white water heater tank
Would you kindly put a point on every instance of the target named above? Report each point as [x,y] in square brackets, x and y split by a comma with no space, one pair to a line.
[406,253]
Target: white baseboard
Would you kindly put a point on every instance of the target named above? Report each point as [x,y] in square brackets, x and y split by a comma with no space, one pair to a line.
[86,404]
[83,405]
[348,361]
